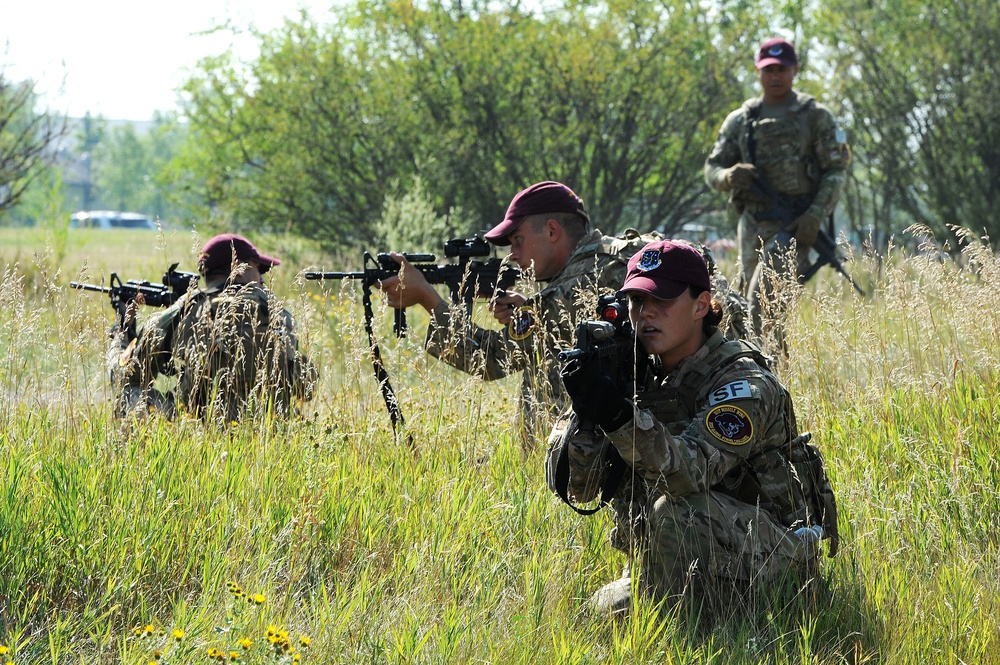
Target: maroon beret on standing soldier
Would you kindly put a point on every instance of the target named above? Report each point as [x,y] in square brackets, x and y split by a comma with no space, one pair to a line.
[776,51]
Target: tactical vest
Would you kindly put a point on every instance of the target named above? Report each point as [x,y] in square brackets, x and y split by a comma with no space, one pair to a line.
[675,406]
[782,148]
[788,480]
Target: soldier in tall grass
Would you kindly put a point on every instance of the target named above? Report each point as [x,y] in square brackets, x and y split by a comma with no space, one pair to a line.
[231,345]
[548,230]
[781,144]
[717,491]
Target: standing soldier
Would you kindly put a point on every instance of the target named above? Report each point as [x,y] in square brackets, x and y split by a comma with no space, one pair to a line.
[232,345]
[782,145]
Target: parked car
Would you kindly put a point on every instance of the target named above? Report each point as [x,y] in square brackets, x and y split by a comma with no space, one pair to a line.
[110,219]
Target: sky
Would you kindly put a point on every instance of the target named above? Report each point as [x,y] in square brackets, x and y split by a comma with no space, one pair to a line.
[125,59]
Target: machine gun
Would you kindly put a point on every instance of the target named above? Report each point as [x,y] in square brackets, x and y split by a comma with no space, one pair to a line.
[466,280]
[786,213]
[609,340]
[175,284]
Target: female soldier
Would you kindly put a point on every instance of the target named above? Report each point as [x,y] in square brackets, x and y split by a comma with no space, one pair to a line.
[719,489]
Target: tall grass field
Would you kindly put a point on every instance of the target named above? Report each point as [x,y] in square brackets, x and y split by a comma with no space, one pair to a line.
[325,539]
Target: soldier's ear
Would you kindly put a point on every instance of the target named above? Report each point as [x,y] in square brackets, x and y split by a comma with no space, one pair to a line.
[553,229]
[703,304]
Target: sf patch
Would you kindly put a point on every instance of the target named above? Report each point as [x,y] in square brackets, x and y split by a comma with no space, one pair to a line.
[522,324]
[730,424]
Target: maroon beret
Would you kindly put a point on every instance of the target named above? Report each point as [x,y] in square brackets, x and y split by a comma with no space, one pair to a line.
[776,51]
[664,269]
[219,252]
[540,198]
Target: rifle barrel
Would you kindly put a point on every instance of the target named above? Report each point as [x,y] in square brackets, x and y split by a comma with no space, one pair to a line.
[90,287]
[334,275]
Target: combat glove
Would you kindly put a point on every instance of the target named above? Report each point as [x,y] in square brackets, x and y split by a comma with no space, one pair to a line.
[806,229]
[595,397]
[739,176]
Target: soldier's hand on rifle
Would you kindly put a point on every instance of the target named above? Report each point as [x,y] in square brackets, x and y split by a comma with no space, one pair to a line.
[504,304]
[807,228]
[125,325]
[739,176]
[409,287]
[594,395]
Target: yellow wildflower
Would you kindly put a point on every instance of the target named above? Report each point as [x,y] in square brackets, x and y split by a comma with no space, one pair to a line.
[272,630]
[258,598]
[305,640]
[234,655]
[4,649]
[178,634]
[246,642]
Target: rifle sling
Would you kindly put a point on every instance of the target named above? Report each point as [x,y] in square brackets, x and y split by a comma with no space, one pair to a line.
[616,469]
[381,375]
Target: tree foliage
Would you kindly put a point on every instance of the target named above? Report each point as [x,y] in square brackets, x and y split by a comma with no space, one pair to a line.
[27,140]
[477,99]
[922,80]
[131,168]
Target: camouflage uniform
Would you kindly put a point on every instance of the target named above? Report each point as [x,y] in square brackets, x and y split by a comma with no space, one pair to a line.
[718,478]
[799,150]
[539,329]
[231,348]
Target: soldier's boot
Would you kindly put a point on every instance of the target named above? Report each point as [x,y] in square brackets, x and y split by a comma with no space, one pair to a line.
[612,599]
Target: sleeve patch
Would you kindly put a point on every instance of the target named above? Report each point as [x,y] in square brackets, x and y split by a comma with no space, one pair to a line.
[522,325]
[730,391]
[730,424]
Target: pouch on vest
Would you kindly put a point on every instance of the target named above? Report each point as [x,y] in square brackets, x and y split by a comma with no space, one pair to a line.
[793,480]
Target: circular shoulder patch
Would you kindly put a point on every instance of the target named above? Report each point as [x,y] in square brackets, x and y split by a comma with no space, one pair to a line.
[730,424]
[522,324]
[127,353]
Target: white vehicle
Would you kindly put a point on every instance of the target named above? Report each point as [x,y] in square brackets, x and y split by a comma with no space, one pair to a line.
[110,219]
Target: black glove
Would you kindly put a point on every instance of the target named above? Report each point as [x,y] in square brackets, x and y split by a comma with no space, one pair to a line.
[594,395]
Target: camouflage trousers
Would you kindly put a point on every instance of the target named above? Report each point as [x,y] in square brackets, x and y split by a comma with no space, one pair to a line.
[710,538]
[765,264]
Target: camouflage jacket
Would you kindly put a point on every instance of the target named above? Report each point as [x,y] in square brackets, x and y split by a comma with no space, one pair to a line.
[802,153]
[719,422]
[539,329]
[229,347]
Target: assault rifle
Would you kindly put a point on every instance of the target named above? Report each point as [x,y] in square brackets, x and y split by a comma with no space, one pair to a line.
[466,279]
[783,211]
[610,341]
[175,284]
